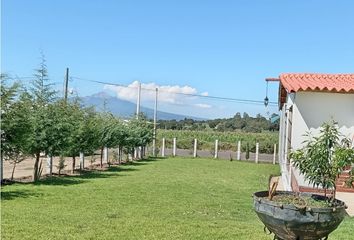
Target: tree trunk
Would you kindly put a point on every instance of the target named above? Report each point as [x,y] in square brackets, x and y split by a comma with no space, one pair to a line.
[74,162]
[101,157]
[120,155]
[141,152]
[1,166]
[36,166]
[13,171]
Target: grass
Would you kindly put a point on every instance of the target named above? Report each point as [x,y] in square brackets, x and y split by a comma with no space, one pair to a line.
[176,198]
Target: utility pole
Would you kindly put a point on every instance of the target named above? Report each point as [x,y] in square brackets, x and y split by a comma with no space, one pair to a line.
[136,150]
[66,83]
[138,101]
[155,118]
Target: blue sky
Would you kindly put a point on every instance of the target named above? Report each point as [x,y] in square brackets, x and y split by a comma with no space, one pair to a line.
[222,48]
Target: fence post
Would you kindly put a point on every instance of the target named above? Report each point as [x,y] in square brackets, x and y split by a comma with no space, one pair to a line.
[105,154]
[118,154]
[257,152]
[141,150]
[174,147]
[1,168]
[82,161]
[275,153]
[239,150]
[195,148]
[216,148]
[163,148]
[49,165]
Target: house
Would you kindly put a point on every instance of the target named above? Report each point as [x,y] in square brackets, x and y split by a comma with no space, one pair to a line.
[306,100]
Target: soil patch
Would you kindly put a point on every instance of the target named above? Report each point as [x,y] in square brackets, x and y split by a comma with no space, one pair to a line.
[313,201]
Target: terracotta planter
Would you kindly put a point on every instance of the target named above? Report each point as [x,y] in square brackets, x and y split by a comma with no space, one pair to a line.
[289,222]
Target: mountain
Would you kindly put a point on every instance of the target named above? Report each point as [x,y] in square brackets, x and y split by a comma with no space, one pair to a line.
[123,108]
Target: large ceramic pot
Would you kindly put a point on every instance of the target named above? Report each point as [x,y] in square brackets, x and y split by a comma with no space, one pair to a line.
[290,222]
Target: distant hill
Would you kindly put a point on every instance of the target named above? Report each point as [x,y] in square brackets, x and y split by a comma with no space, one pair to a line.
[125,109]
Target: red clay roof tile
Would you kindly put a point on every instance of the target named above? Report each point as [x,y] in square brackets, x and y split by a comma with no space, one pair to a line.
[294,82]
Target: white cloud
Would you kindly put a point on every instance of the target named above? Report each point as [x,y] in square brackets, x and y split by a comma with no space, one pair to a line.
[202,105]
[125,93]
[167,93]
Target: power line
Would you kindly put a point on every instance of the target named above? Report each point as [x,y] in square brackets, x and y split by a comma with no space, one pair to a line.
[246,101]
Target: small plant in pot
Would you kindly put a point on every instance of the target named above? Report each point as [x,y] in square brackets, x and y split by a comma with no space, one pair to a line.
[306,216]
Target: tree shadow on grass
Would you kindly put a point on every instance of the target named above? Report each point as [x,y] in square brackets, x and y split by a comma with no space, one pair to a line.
[84,176]
[56,180]
[10,195]
[143,161]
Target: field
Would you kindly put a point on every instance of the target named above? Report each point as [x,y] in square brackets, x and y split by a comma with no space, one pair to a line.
[227,140]
[174,198]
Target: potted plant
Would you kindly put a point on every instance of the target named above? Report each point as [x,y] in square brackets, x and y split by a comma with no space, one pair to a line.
[293,215]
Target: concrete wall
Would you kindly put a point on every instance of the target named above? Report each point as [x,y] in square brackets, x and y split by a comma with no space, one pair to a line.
[311,109]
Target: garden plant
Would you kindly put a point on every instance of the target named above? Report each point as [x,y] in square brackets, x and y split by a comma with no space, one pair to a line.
[293,215]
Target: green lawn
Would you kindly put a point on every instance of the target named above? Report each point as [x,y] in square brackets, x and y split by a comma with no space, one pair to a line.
[176,198]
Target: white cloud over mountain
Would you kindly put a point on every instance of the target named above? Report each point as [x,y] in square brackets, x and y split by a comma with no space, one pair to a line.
[166,93]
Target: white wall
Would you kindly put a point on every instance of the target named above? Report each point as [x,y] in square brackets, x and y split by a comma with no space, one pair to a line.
[311,109]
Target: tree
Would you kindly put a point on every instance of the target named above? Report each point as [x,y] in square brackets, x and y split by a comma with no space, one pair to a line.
[14,127]
[324,157]
[141,132]
[74,116]
[105,124]
[120,134]
[42,122]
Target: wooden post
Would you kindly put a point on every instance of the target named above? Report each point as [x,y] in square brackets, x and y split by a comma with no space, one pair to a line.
[82,161]
[257,151]
[66,80]
[275,153]
[163,148]
[239,150]
[105,154]
[216,148]
[49,165]
[195,148]
[174,147]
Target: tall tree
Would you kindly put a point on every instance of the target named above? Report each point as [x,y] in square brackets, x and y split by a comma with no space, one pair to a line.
[42,96]
[10,130]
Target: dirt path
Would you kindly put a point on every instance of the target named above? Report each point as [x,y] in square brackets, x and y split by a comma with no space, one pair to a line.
[25,168]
